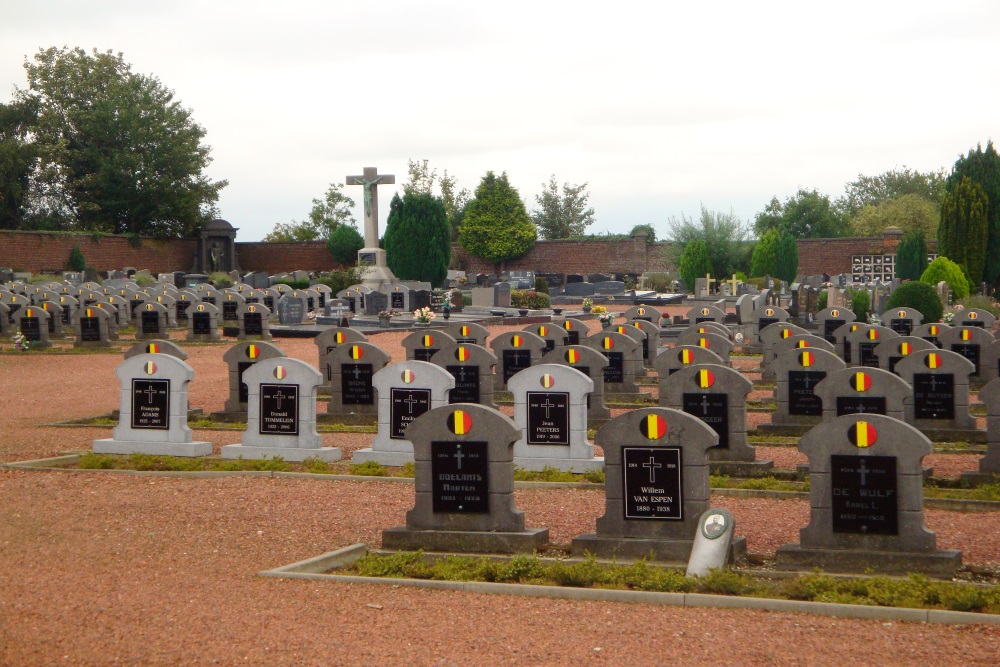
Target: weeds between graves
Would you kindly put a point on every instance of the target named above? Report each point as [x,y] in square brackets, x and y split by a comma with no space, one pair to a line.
[915,591]
[757,483]
[550,474]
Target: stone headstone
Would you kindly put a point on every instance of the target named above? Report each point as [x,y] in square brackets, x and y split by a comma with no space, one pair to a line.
[291,309]
[554,336]
[472,367]
[857,390]
[583,289]
[796,341]
[352,368]
[422,344]
[624,355]
[203,322]
[830,319]
[33,323]
[940,381]
[375,303]
[576,330]
[989,395]
[682,356]
[92,328]
[501,295]
[157,347]
[330,339]
[797,372]
[515,351]
[153,409]
[974,317]
[892,350]
[591,363]
[150,321]
[467,332]
[972,343]
[709,340]
[609,287]
[712,542]
[863,341]
[706,314]
[253,321]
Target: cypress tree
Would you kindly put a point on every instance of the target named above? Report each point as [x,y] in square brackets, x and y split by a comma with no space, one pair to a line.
[787,254]
[695,262]
[764,261]
[911,256]
[418,238]
[963,233]
[983,167]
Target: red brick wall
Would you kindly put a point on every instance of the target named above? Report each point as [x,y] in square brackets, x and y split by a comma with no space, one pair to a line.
[833,256]
[583,257]
[292,256]
[35,251]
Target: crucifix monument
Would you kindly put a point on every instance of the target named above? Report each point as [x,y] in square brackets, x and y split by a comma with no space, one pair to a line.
[371,259]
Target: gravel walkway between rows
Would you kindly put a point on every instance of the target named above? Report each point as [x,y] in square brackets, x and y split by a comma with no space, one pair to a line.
[102,569]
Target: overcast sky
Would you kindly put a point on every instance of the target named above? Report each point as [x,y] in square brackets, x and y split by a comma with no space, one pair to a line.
[659,107]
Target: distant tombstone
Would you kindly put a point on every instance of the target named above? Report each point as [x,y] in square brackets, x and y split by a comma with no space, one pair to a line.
[33,323]
[642,338]
[210,295]
[868,391]
[583,289]
[253,321]
[940,381]
[203,323]
[291,309]
[351,378]
[399,299]
[892,350]
[706,314]
[902,320]
[970,342]
[931,332]
[354,298]
[422,344]
[281,413]
[830,319]
[153,409]
[464,478]
[550,408]
[161,346]
[329,340]
[721,345]
[91,328]
[376,302]
[420,298]
[113,318]
[974,317]
[609,287]
[230,302]
[70,306]
[866,496]
[682,356]
[553,336]
[763,316]
[501,295]
[769,337]
[576,330]
[168,302]
[624,355]
[840,335]
[405,390]
[717,396]
[654,338]
[705,327]
[863,341]
[515,351]
[798,341]
[150,321]
[744,309]
[591,363]
[181,306]
[645,313]
[989,465]
[472,366]
[656,488]
[469,333]
[55,318]
[239,359]
[797,373]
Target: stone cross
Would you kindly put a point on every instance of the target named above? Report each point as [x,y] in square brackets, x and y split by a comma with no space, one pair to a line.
[735,283]
[370,181]
[708,282]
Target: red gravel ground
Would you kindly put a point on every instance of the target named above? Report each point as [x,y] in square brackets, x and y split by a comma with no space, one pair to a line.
[102,569]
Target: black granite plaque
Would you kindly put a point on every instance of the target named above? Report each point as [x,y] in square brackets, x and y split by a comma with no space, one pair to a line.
[208,299]
[52,324]
[514,361]
[713,409]
[201,323]
[651,480]
[352,304]
[550,344]
[366,259]
[460,477]
[614,372]
[466,384]
[244,393]
[182,310]
[866,351]
[903,327]
[252,324]
[801,397]
[31,328]
[90,329]
[847,351]
[151,404]
[466,341]
[853,405]
[968,350]
[133,304]
[67,315]
[229,311]
[933,396]
[548,418]
[269,302]
[573,337]
[150,322]
[699,320]
[974,323]
[356,384]
[892,363]
[865,498]
[765,321]
[396,300]
[279,409]
[424,353]
[829,326]
[406,405]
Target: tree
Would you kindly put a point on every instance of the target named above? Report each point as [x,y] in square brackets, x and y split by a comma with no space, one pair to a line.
[117,152]
[418,238]
[944,269]
[963,233]
[983,167]
[17,160]
[421,179]
[787,253]
[893,184]
[908,212]
[764,261]
[565,215]
[725,237]
[344,243]
[911,256]
[646,229]
[695,262]
[327,214]
[808,214]
[919,296]
[496,226]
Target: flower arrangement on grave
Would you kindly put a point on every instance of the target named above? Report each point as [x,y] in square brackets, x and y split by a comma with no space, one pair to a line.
[387,313]
[873,318]
[462,280]
[21,342]
[311,315]
[423,315]
[948,317]
[606,318]
[588,303]
[598,310]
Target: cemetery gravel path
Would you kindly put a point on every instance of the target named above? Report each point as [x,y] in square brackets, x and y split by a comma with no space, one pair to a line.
[107,569]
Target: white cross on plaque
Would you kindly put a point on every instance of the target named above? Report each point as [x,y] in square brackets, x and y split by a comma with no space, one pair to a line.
[150,392]
[547,405]
[704,404]
[864,472]
[652,465]
[459,456]
[278,397]
[409,400]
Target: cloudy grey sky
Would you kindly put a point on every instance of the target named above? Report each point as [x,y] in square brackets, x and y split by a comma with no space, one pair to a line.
[658,106]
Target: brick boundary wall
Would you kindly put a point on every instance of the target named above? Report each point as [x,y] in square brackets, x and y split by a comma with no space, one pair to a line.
[40,251]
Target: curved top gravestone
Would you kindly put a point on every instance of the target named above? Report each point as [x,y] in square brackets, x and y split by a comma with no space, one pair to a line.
[157,346]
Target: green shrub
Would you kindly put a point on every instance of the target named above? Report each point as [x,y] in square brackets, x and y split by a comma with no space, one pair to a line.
[77,262]
[821,300]
[860,304]
[541,285]
[695,262]
[220,279]
[369,468]
[919,296]
[344,244]
[91,461]
[315,465]
[659,282]
[944,269]
[529,299]
[595,476]
[339,280]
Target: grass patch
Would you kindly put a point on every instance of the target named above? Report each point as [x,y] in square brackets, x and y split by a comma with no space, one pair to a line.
[369,469]
[757,483]
[91,461]
[550,474]
[316,465]
[990,492]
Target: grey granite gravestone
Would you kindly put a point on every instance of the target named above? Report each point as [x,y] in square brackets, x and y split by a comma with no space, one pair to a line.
[153,409]
[711,543]
[972,343]
[70,308]
[169,302]
[681,356]
[863,342]
[766,315]
[55,323]
[891,350]
[422,344]
[405,390]
[624,355]
[829,320]
[642,338]
[646,313]
[467,332]
[159,346]
[706,327]
[375,303]
[902,320]
[709,340]
[796,341]
[421,298]
[352,368]
[327,341]
[291,309]
[203,323]
[940,381]
[579,289]
[253,321]
[473,367]
[989,465]
[866,496]
[591,363]
[550,409]
[576,330]
[33,323]
[239,359]
[114,316]
[229,303]
[769,336]
[991,359]
[464,486]
[706,314]
[399,299]
[553,336]
[5,324]
[281,413]
[654,339]
[858,390]
[974,317]
[515,351]
[656,488]
[717,396]
[150,321]
[609,287]
[797,372]
[92,328]
[930,332]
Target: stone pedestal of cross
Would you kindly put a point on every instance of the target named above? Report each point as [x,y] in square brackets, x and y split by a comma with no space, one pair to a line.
[371,259]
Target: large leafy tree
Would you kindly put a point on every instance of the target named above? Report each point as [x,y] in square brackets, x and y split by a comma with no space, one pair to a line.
[422,179]
[418,238]
[561,216]
[911,256]
[764,261]
[909,212]
[344,244]
[982,166]
[963,233]
[17,160]
[808,214]
[496,226]
[787,254]
[724,234]
[117,152]
[695,262]
[893,184]
[334,210]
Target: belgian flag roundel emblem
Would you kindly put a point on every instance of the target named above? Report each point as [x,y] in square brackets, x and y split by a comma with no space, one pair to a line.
[973,316]
[543,331]
[620,328]
[966,334]
[862,434]
[149,367]
[686,356]
[704,311]
[855,327]
[464,330]
[905,349]
[641,311]
[872,334]
[932,360]
[356,352]
[339,337]
[516,341]
[149,306]
[934,330]
[786,333]
[253,351]
[201,308]
[408,376]
[462,353]
[653,427]
[90,312]
[802,343]
[459,422]
[427,341]
[769,312]
[280,372]
[703,342]
[251,309]
[547,381]
[834,313]
[807,359]
[706,378]
[608,342]
[567,325]
[861,381]
[572,356]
